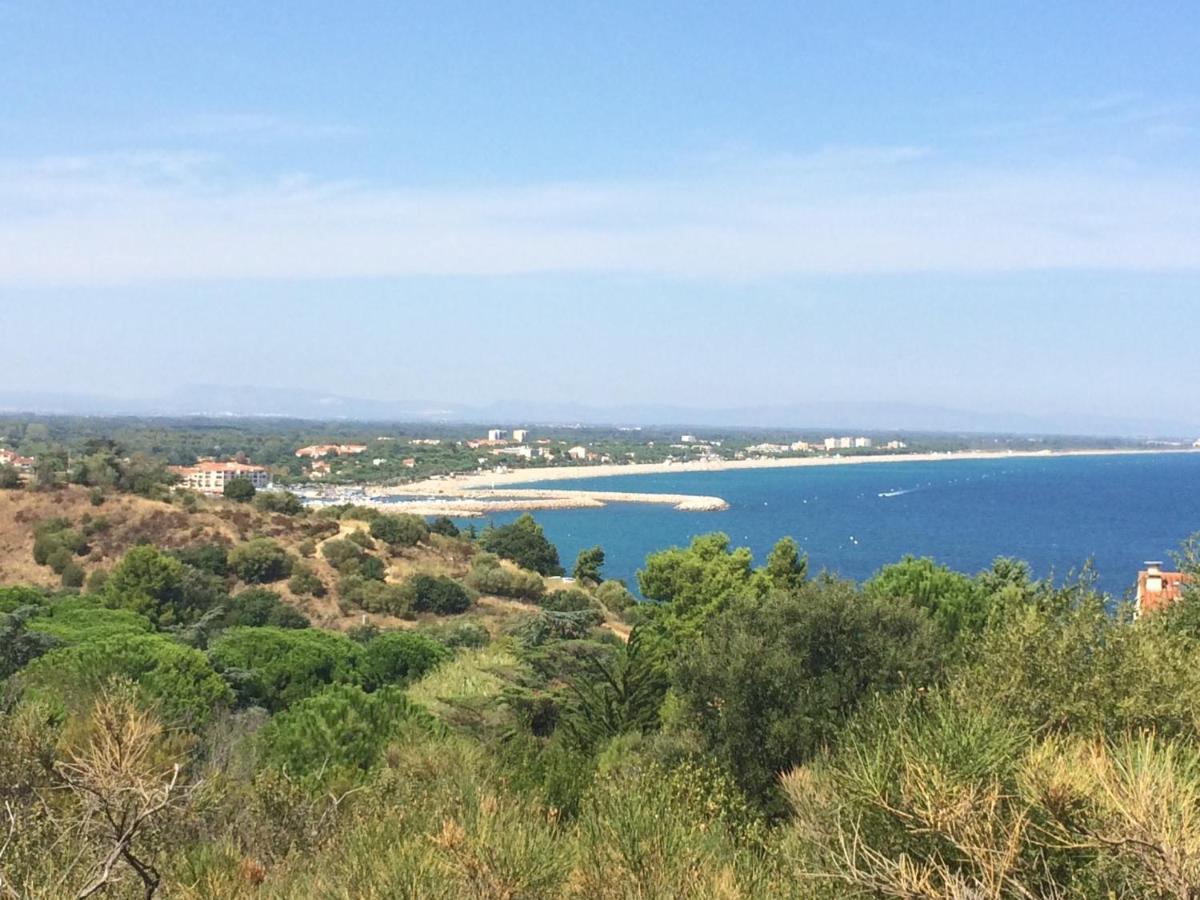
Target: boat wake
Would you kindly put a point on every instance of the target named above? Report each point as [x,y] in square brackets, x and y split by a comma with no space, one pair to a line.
[896,493]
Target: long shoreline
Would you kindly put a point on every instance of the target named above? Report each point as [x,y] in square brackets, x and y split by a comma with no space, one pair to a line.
[482,493]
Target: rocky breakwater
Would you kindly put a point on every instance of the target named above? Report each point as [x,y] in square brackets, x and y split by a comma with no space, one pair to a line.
[477,501]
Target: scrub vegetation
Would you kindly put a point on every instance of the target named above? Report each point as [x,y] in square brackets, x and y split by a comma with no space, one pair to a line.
[247,702]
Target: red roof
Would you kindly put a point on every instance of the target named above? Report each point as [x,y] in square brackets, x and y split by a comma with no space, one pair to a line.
[1170,590]
[12,458]
[213,466]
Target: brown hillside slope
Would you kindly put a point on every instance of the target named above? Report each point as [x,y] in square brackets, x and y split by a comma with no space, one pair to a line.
[124,520]
[128,520]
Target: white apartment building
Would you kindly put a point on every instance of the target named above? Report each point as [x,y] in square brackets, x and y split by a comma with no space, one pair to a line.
[210,477]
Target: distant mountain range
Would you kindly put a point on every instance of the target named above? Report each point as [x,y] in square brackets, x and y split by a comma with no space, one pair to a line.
[225,401]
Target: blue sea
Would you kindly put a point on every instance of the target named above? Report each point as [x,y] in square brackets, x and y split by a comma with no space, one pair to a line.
[1054,512]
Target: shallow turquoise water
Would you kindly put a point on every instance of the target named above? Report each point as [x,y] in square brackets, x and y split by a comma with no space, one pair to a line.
[1053,512]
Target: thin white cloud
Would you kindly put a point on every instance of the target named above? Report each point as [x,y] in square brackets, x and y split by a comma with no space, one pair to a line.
[251,127]
[136,218]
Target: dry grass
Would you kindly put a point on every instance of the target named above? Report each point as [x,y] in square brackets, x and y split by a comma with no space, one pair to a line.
[214,520]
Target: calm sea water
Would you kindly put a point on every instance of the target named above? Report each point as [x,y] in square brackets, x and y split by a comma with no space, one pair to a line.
[1055,513]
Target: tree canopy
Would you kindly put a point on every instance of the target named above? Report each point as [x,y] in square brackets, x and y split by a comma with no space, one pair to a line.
[523,542]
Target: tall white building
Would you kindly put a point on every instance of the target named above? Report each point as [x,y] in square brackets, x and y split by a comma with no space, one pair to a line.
[497,434]
[520,434]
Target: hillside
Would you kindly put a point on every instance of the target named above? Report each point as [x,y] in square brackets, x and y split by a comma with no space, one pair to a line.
[122,521]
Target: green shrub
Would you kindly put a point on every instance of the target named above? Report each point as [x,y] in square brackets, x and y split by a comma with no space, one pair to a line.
[375,596]
[361,538]
[558,626]
[75,620]
[304,581]
[283,502]
[588,564]
[72,575]
[397,657]
[615,597]
[18,596]
[443,525]
[59,559]
[177,678]
[337,731]
[258,607]
[694,583]
[240,490]
[955,602]
[213,558]
[147,582]
[567,601]
[96,581]
[10,478]
[20,645]
[307,548]
[1062,662]
[55,542]
[348,558]
[524,543]
[401,530]
[259,561]
[275,667]
[437,594]
[769,683]
[488,576]
[454,634]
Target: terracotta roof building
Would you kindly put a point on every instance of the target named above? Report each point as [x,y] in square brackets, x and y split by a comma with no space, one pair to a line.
[211,476]
[11,458]
[317,451]
[1157,589]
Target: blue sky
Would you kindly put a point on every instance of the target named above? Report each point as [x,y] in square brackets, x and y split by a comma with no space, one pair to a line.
[976,205]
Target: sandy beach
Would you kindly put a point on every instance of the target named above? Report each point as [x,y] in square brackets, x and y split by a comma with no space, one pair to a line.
[480,494]
[565,473]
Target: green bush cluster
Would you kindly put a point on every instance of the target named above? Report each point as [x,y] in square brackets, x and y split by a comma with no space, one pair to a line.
[350,559]
[305,581]
[260,561]
[399,530]
[57,544]
[437,594]
[489,576]
[760,734]
[525,543]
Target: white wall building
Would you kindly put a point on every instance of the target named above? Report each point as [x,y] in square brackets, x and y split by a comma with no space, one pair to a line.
[520,435]
[497,434]
[210,477]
